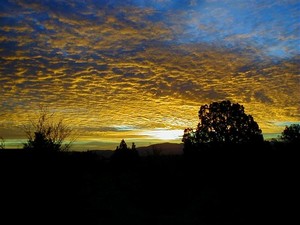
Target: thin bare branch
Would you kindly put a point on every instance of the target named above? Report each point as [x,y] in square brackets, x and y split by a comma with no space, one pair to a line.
[47,132]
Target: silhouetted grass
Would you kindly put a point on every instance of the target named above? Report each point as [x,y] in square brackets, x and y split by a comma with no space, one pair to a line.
[219,185]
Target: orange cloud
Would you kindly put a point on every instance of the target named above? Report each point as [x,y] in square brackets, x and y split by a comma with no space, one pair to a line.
[120,68]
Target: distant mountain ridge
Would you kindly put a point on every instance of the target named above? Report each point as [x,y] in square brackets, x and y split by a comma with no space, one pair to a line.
[161,149]
[155,149]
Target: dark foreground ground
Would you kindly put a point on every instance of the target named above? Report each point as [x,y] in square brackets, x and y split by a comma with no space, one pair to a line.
[245,185]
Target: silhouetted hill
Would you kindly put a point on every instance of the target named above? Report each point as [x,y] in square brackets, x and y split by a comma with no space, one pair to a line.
[102,153]
[156,149]
[161,149]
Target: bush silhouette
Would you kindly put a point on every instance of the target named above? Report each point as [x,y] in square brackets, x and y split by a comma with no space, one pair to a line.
[223,122]
[47,134]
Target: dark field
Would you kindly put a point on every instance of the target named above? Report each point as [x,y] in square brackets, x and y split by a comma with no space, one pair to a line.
[241,185]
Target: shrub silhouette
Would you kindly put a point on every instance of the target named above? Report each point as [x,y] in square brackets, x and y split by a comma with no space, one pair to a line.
[291,133]
[47,134]
[41,142]
[223,122]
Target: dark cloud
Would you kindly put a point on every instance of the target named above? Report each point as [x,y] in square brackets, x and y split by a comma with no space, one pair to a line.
[260,96]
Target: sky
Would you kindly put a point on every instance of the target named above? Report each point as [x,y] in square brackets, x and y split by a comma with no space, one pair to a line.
[140,70]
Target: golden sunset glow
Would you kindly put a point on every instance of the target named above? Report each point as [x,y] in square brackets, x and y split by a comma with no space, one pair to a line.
[164,134]
[142,71]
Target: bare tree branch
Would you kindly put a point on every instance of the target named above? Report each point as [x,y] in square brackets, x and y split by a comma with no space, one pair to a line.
[47,132]
[2,143]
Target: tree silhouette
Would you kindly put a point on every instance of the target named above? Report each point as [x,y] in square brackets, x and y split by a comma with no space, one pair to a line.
[123,145]
[223,122]
[124,154]
[47,133]
[291,133]
[133,147]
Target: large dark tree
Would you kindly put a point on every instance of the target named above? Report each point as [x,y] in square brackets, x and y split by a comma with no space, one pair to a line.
[223,122]
[291,133]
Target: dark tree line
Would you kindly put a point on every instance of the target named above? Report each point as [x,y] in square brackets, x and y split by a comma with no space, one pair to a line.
[124,154]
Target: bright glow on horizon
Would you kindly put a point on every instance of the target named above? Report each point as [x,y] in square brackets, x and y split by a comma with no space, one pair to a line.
[164,134]
[94,143]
